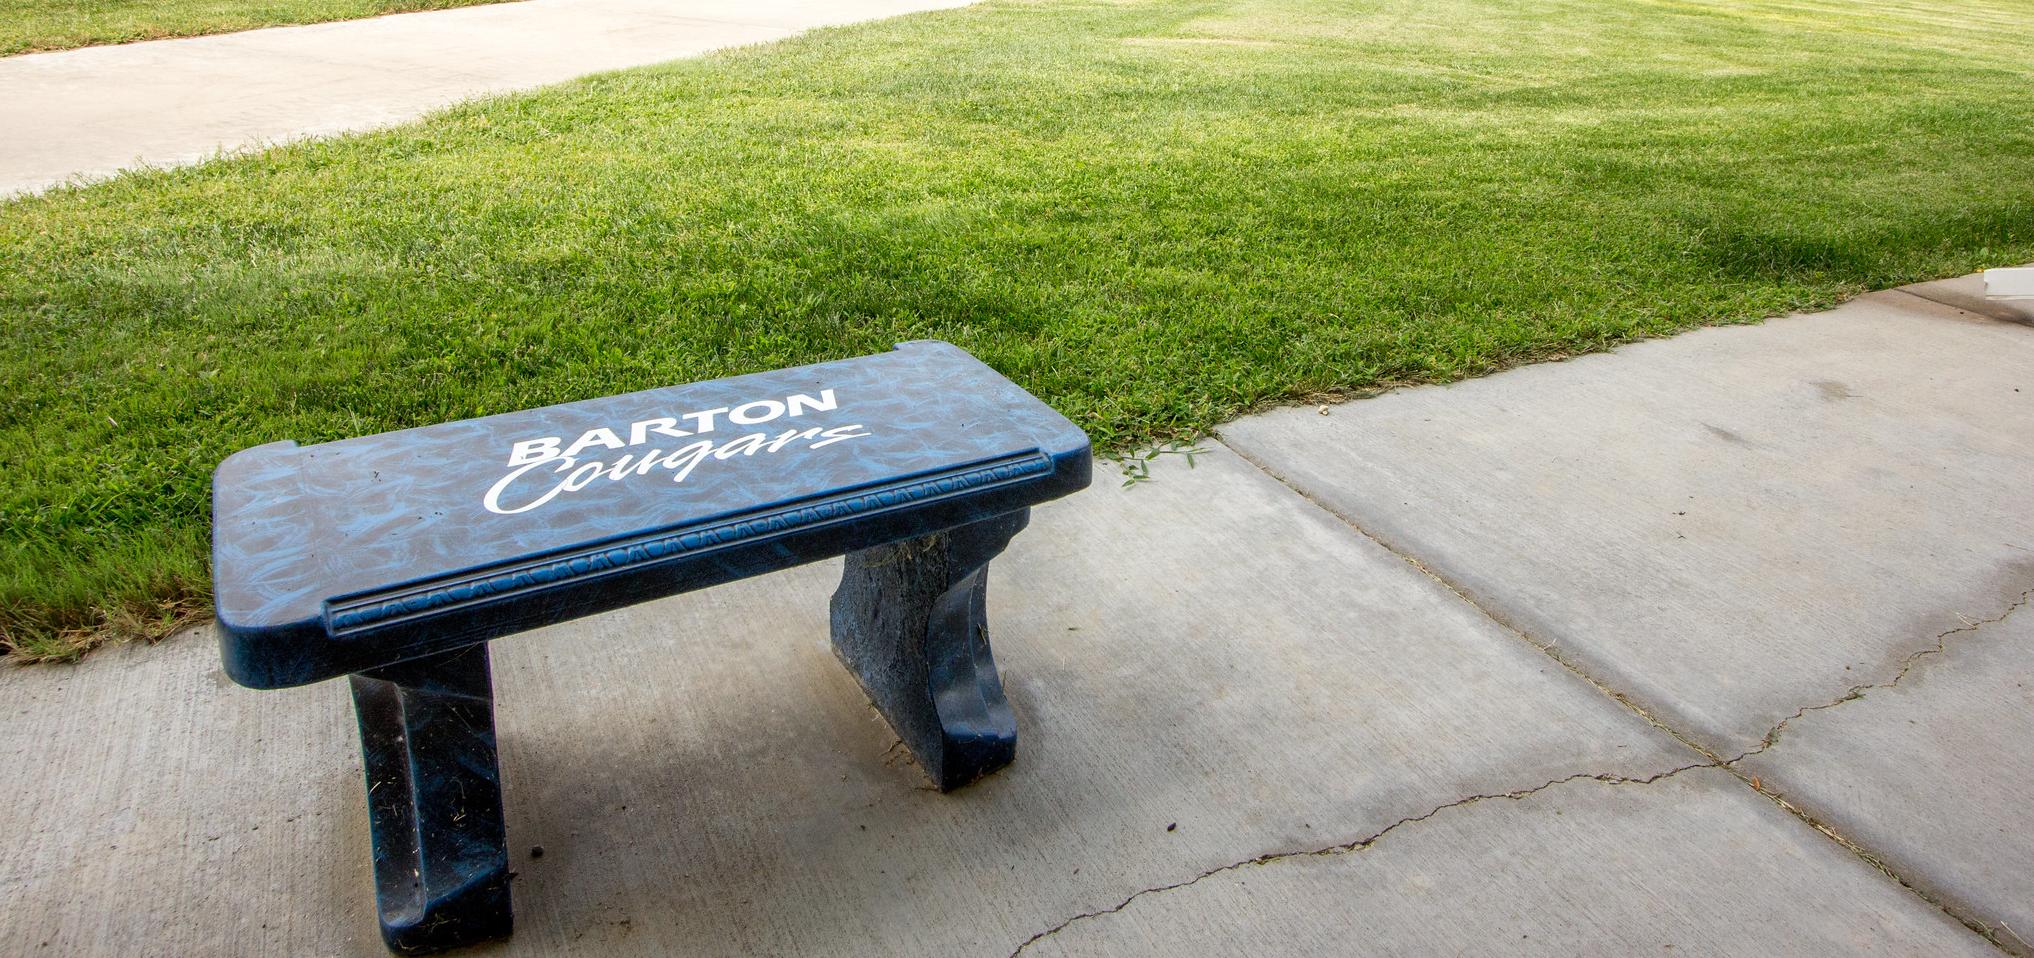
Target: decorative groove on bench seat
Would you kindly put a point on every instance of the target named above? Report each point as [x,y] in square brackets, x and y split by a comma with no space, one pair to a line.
[350,615]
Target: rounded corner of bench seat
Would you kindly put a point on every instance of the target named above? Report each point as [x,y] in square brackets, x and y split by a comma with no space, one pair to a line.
[928,348]
[240,461]
[1084,454]
[247,653]
[1073,460]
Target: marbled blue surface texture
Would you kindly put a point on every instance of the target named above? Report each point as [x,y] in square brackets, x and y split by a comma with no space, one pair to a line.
[348,555]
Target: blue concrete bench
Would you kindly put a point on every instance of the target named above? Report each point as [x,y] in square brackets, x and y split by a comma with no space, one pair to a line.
[394,559]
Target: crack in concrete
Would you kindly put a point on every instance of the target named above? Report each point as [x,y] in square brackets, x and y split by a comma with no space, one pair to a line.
[1855,692]
[1976,926]
[1356,845]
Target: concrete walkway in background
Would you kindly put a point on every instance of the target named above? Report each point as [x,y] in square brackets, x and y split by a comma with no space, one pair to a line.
[91,112]
[1714,645]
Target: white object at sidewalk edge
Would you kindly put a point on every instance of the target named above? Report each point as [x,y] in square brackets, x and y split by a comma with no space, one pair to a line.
[2013,283]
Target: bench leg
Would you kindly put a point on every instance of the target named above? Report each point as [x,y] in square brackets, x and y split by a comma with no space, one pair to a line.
[434,801]
[909,620]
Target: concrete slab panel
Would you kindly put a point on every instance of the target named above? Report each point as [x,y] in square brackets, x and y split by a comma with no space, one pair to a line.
[1931,770]
[88,113]
[1695,864]
[1205,669]
[1726,525]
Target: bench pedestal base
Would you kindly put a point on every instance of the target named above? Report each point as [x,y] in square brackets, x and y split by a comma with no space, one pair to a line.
[910,621]
[434,801]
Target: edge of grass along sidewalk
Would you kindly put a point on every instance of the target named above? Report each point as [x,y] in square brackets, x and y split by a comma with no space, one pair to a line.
[42,26]
[1155,215]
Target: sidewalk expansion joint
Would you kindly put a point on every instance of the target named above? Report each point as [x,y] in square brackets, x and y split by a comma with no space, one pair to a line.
[1930,300]
[1355,845]
[1713,759]
[1548,649]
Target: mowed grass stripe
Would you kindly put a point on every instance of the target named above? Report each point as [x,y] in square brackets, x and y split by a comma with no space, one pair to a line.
[1154,214]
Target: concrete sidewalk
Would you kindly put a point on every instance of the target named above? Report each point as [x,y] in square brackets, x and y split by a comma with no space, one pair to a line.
[91,112]
[1710,645]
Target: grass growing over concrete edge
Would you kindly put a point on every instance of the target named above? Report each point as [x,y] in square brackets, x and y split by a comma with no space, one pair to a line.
[1154,214]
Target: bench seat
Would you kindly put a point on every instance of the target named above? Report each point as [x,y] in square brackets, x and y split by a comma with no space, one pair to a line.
[394,558]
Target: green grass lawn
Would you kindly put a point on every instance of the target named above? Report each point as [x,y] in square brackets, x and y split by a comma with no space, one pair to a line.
[1154,214]
[30,25]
